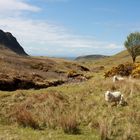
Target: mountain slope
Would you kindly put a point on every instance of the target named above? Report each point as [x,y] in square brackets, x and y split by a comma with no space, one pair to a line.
[90,57]
[20,72]
[121,57]
[108,62]
[7,40]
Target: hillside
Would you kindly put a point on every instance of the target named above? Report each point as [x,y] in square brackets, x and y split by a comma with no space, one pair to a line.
[108,62]
[72,111]
[64,99]
[7,40]
[67,110]
[20,72]
[120,57]
[90,57]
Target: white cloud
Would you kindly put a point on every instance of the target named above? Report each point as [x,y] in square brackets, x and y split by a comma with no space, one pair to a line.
[114,46]
[8,6]
[41,36]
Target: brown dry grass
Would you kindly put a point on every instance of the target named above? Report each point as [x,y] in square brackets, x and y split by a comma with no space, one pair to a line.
[40,72]
[69,124]
[24,118]
[75,106]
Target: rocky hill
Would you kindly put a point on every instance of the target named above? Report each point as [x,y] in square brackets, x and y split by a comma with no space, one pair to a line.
[7,40]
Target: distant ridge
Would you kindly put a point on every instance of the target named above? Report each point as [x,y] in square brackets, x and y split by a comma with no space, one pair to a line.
[7,40]
[90,57]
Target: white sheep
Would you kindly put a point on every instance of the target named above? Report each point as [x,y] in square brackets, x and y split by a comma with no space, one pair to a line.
[117,78]
[115,97]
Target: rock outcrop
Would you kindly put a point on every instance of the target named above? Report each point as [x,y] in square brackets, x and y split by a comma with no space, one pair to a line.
[7,40]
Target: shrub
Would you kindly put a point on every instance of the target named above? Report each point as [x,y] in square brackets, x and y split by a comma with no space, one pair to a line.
[136,71]
[125,70]
[71,73]
[77,76]
[121,69]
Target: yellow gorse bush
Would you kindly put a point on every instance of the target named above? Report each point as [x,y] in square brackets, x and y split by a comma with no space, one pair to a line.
[126,69]
[121,69]
[136,71]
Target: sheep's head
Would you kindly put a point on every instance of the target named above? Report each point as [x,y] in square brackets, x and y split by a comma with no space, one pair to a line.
[107,95]
[115,78]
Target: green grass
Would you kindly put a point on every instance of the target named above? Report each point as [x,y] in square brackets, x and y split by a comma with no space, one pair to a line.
[18,133]
[108,63]
[73,111]
[95,118]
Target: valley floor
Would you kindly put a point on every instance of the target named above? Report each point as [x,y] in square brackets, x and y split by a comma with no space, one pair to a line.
[75,111]
[18,133]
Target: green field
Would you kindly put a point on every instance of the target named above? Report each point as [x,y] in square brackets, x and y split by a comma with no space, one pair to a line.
[75,110]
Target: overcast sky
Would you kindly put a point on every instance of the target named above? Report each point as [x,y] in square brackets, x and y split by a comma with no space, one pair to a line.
[70,27]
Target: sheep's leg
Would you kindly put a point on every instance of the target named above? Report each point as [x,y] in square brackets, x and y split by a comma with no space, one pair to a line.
[120,102]
[114,104]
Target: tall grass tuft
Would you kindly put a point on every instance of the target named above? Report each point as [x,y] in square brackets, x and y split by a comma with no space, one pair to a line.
[25,118]
[69,124]
[103,129]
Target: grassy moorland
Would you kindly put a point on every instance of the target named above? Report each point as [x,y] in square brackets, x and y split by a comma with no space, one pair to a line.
[109,62]
[19,72]
[73,111]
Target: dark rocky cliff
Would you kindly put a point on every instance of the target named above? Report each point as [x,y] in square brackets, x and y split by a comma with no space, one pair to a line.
[7,40]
